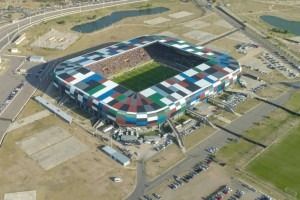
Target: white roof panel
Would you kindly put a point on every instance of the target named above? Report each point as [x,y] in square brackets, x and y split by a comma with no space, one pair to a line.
[101,92]
[199,53]
[202,83]
[179,77]
[203,67]
[228,69]
[147,92]
[212,77]
[141,116]
[110,84]
[191,72]
[149,119]
[108,99]
[166,101]
[79,77]
[176,96]
[166,84]
[183,89]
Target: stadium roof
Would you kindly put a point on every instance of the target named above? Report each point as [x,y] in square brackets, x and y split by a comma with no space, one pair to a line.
[75,73]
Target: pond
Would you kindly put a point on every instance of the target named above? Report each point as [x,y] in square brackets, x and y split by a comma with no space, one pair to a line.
[291,26]
[115,17]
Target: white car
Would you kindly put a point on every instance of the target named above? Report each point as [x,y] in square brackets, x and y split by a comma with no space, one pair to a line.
[117,179]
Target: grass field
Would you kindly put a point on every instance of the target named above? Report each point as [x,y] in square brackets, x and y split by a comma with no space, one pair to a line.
[280,165]
[145,76]
[266,131]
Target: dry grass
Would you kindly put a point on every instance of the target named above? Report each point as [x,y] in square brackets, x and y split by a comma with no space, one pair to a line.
[271,92]
[163,160]
[30,108]
[215,29]
[247,105]
[83,177]
[127,28]
[229,46]
[197,136]
[25,4]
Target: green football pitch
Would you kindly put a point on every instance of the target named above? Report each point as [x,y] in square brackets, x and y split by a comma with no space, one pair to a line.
[145,76]
[280,164]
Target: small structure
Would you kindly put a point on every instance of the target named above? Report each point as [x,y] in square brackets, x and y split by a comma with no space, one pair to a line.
[36,59]
[117,179]
[151,139]
[242,82]
[107,128]
[20,39]
[14,50]
[54,109]
[26,195]
[119,157]
[129,138]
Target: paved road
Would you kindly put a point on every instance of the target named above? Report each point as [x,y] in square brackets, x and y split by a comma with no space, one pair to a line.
[217,139]
[140,180]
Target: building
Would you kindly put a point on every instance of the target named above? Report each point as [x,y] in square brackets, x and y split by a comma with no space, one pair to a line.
[20,39]
[129,138]
[151,139]
[201,72]
[54,109]
[14,50]
[120,158]
[37,59]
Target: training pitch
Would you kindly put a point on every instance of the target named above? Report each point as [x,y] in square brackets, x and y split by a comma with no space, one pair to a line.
[280,165]
[145,75]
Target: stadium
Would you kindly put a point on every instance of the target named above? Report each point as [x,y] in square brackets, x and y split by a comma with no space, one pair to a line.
[145,80]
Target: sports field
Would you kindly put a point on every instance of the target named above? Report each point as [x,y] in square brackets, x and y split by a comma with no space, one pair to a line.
[280,165]
[145,76]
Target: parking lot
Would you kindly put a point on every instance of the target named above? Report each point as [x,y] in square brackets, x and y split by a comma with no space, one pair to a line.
[204,181]
[273,62]
[9,78]
[11,97]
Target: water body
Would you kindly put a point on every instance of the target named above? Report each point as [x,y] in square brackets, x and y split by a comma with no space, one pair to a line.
[290,26]
[115,17]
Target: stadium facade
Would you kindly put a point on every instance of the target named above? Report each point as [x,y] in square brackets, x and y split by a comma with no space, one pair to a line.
[201,72]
